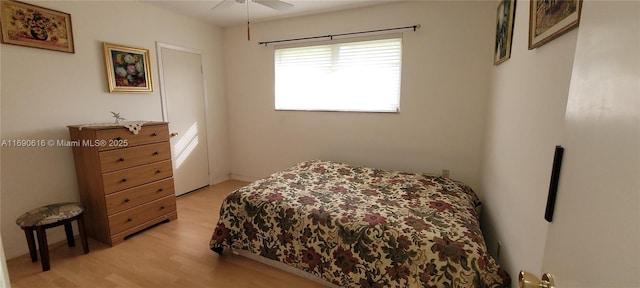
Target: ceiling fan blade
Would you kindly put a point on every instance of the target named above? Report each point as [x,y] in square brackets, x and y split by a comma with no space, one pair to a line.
[223,4]
[275,4]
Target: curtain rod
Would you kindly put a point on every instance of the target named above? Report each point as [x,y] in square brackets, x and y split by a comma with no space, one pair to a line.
[414,27]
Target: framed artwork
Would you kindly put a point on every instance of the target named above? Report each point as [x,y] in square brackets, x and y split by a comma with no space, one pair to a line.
[34,26]
[549,19]
[127,69]
[504,31]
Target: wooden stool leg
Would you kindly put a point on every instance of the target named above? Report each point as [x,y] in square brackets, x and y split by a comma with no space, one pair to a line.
[68,229]
[31,242]
[83,233]
[44,248]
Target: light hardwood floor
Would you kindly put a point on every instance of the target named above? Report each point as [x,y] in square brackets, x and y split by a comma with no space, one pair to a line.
[174,254]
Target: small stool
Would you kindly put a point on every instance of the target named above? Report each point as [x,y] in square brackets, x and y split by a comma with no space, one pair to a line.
[49,216]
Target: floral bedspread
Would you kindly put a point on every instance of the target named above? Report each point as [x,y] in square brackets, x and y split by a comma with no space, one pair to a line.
[362,227]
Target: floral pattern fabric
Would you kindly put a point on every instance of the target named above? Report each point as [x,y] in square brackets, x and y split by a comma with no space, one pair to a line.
[362,227]
[49,214]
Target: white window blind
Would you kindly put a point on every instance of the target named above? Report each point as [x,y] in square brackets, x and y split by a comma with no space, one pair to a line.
[361,76]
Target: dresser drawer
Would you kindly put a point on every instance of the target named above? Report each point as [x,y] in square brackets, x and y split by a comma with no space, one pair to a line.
[117,159]
[121,137]
[131,177]
[130,198]
[130,218]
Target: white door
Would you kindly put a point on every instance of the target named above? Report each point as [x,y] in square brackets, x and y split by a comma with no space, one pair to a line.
[594,239]
[183,94]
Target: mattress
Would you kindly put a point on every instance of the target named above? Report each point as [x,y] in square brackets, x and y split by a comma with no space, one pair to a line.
[362,227]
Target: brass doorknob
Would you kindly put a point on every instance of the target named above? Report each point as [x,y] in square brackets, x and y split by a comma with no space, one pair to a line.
[528,280]
[174,134]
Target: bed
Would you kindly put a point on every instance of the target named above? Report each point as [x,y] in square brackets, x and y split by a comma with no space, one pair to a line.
[362,227]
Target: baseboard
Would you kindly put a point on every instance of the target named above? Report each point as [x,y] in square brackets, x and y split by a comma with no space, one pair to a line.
[51,246]
[220,179]
[243,178]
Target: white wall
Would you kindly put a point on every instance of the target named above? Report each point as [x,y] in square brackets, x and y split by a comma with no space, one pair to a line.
[526,115]
[44,91]
[446,67]
[4,273]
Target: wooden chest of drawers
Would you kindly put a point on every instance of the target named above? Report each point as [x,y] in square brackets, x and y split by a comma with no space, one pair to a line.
[125,179]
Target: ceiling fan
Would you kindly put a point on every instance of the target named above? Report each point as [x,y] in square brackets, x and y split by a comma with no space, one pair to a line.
[273,4]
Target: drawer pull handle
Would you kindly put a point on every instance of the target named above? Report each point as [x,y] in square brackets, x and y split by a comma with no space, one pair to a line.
[126,200]
[160,190]
[161,207]
[129,219]
[121,159]
[123,180]
[118,138]
[154,134]
[156,153]
[158,171]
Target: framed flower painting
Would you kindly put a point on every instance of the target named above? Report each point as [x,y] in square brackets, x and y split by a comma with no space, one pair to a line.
[34,26]
[127,69]
[549,19]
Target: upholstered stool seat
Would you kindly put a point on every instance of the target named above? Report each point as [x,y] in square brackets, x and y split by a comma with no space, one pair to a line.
[49,216]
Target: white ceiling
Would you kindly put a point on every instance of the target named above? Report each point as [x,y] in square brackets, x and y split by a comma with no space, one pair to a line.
[236,13]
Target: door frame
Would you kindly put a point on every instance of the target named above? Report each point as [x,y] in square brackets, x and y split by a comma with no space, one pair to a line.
[163,94]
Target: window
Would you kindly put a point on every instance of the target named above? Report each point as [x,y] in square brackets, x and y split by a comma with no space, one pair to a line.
[361,76]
